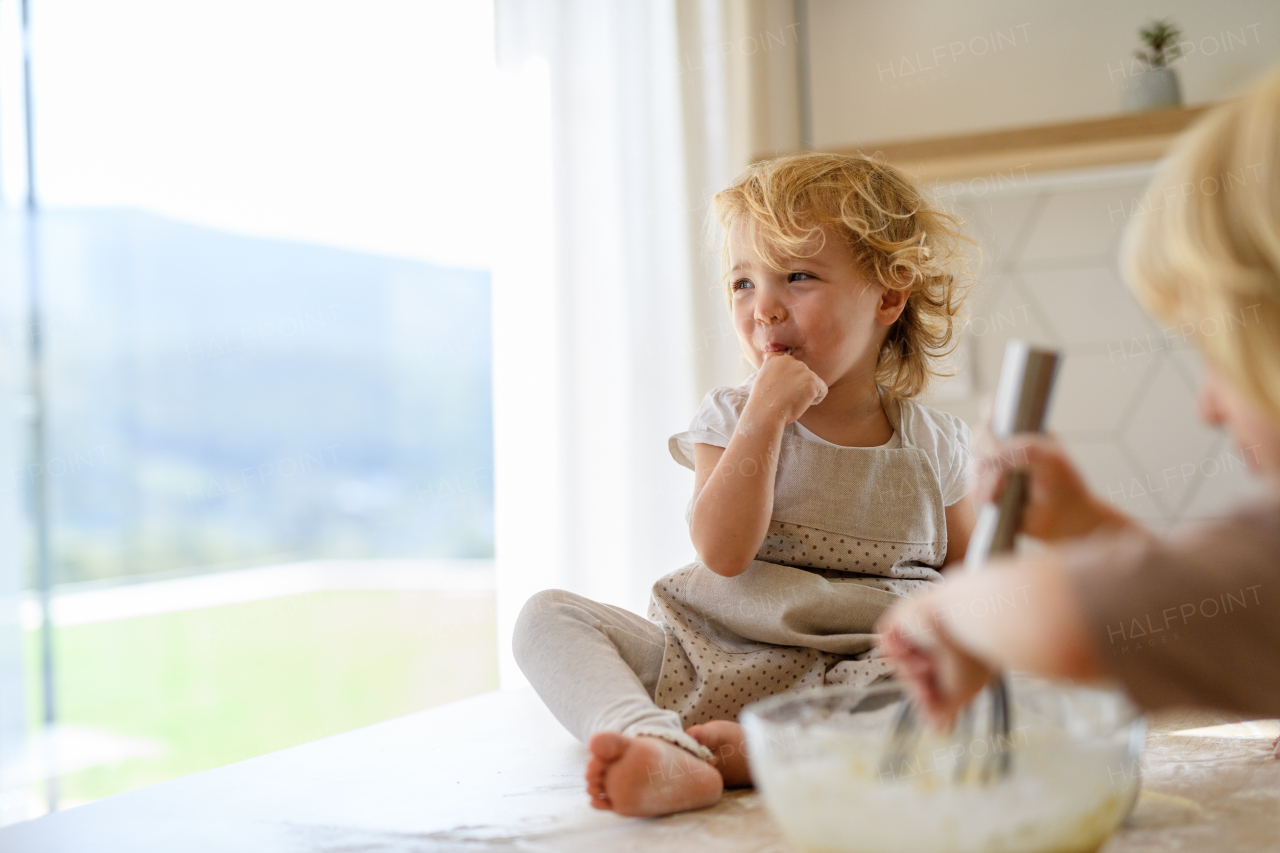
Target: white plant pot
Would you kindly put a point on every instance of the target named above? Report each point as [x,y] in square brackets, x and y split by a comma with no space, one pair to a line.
[1153,89]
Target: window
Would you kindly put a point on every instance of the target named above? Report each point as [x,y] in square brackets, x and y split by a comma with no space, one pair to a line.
[264,300]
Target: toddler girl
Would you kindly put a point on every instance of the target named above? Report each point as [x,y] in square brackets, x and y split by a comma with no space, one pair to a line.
[822,491]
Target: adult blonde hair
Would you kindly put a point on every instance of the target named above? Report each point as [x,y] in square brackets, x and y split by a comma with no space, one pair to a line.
[897,238]
[1202,249]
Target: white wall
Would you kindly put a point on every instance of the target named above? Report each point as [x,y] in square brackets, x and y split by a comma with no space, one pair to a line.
[899,69]
[1125,399]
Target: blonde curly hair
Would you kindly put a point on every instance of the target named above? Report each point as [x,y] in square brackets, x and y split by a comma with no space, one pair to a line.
[1202,249]
[896,237]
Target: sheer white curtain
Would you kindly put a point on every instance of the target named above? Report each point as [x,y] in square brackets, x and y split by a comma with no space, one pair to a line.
[594,340]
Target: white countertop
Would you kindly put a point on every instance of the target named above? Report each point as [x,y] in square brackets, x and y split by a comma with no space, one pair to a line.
[497,772]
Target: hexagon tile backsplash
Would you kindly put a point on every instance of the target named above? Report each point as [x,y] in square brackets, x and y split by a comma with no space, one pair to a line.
[1125,402]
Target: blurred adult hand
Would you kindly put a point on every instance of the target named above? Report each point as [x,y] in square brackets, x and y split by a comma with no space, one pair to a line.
[941,676]
[1059,505]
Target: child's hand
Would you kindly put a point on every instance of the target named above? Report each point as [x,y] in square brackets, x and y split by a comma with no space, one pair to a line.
[785,387]
[1059,504]
[941,676]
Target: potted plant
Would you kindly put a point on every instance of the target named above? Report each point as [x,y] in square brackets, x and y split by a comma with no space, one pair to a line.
[1155,86]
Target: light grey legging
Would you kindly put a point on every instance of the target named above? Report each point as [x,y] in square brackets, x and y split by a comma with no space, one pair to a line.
[596,667]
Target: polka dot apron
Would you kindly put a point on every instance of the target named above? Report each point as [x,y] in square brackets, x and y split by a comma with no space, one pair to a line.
[853,528]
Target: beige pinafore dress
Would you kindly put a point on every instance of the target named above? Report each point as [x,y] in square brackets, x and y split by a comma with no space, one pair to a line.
[853,528]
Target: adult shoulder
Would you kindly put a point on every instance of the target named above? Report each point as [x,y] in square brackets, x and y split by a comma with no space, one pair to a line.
[1188,620]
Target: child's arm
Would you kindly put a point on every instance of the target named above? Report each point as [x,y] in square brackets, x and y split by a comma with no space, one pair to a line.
[961,520]
[733,486]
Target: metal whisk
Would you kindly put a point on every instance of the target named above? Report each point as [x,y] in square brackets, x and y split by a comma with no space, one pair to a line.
[1022,398]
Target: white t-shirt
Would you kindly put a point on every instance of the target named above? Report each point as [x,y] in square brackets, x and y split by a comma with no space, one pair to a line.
[944,438]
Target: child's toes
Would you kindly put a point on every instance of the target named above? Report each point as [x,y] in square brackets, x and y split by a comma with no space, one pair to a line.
[608,746]
[595,775]
[705,733]
[715,734]
[599,798]
[595,784]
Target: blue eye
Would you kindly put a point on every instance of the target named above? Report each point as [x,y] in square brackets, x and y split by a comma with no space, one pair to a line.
[740,283]
[792,276]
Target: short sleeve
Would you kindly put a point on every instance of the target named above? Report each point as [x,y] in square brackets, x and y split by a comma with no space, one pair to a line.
[1193,620]
[947,441]
[714,423]
[959,462]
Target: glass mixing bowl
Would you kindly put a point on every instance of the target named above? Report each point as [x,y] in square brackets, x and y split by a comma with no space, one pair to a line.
[821,760]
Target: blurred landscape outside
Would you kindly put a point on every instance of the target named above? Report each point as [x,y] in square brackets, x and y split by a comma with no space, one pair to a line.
[219,402]
[262,258]
[224,400]
[152,698]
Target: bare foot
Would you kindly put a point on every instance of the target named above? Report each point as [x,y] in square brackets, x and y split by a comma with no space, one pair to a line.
[726,739]
[646,776]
